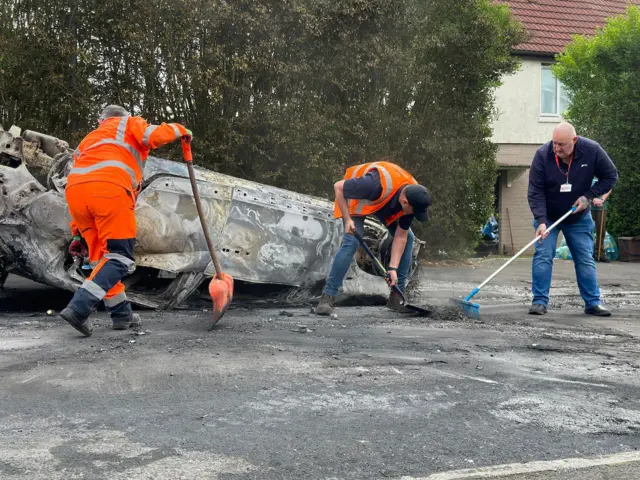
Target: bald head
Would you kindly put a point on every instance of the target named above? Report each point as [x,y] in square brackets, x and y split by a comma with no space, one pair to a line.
[564,140]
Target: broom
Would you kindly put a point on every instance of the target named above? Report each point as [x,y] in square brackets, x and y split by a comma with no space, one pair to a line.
[472,310]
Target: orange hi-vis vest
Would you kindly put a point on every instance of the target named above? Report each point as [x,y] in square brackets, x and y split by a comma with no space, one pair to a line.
[392,178]
[115,152]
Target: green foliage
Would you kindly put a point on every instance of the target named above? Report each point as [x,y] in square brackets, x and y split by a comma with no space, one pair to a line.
[602,76]
[285,92]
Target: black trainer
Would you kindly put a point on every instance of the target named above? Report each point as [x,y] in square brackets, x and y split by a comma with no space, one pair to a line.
[537,309]
[598,311]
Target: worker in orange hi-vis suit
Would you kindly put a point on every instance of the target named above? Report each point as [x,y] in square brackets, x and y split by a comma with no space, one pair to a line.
[101,191]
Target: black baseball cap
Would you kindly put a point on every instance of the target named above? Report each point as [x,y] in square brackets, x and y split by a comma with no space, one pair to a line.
[419,198]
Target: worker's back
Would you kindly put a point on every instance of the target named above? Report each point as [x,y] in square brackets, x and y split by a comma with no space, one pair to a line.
[111,153]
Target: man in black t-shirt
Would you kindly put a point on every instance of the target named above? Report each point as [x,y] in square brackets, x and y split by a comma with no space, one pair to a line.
[395,199]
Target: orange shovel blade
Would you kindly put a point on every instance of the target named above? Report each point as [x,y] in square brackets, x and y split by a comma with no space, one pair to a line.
[221,291]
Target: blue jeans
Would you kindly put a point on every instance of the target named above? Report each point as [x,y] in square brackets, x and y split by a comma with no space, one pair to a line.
[347,250]
[580,242]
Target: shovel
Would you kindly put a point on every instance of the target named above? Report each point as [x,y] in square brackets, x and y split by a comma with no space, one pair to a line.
[221,286]
[422,311]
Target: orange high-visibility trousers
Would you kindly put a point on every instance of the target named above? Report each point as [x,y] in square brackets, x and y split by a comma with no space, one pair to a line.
[104,214]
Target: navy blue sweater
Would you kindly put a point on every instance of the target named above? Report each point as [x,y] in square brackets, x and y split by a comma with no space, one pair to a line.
[590,160]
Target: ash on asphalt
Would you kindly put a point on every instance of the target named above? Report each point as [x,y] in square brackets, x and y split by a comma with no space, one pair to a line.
[366,394]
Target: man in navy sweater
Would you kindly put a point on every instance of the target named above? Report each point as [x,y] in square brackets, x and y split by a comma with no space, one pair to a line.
[560,178]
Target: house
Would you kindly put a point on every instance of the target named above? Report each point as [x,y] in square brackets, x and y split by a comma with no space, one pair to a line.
[531,102]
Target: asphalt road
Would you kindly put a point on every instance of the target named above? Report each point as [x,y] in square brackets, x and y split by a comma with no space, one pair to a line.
[367,395]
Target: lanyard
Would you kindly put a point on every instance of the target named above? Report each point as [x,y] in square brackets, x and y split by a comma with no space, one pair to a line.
[568,169]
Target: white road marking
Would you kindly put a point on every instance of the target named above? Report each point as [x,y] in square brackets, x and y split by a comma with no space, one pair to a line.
[563,380]
[533,467]
[468,377]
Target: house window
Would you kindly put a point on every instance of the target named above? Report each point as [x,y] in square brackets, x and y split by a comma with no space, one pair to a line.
[553,96]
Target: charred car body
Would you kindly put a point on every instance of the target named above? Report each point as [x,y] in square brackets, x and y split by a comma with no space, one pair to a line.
[262,234]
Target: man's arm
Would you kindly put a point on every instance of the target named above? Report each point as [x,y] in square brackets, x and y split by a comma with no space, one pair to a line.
[349,226]
[367,187]
[607,175]
[536,192]
[397,246]
[154,136]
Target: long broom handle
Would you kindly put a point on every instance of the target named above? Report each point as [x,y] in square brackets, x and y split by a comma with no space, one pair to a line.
[188,158]
[477,289]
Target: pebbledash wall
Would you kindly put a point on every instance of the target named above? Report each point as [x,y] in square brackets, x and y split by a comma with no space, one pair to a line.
[525,120]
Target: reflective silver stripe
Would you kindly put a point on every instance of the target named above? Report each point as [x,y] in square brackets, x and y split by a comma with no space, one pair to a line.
[176,130]
[361,204]
[120,258]
[147,134]
[94,264]
[387,178]
[384,196]
[94,289]
[106,163]
[118,299]
[126,146]
[356,171]
[122,128]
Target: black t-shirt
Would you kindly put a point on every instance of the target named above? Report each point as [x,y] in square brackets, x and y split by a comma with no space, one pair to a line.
[369,187]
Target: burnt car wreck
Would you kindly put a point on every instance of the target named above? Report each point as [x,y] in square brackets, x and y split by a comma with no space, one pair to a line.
[272,241]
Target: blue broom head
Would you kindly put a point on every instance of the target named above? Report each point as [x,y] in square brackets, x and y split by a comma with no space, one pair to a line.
[471,310]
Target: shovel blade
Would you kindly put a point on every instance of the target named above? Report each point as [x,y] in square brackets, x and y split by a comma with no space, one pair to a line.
[221,291]
[420,311]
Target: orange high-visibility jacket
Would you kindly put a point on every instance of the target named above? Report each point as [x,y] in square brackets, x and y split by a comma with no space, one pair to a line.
[115,152]
[392,178]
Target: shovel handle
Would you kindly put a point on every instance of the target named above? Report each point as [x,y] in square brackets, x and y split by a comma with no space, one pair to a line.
[186,150]
[378,264]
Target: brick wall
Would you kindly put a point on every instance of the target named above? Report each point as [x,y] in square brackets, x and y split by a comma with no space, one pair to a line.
[514,198]
[512,154]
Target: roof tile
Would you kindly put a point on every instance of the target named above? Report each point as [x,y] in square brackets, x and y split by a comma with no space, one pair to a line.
[551,23]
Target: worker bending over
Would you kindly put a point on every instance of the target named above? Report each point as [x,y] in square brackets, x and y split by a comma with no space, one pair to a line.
[101,191]
[393,196]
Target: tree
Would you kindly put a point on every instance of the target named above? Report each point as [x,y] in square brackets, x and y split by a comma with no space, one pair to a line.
[602,77]
[284,92]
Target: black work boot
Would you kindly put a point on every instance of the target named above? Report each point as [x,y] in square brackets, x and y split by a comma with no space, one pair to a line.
[395,303]
[125,323]
[597,310]
[83,325]
[537,309]
[325,305]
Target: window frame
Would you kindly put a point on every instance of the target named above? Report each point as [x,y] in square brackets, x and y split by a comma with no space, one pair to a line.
[558,87]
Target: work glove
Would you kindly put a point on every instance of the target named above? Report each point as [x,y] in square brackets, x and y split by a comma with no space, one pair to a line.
[188,137]
[77,247]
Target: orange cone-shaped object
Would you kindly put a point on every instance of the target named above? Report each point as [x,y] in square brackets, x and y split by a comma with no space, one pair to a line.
[221,287]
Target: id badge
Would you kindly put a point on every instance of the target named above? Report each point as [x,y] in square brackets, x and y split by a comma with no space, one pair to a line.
[565,187]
